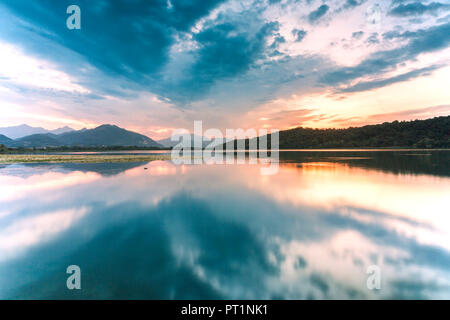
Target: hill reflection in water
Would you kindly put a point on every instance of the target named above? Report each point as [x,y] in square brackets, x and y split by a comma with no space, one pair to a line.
[227,232]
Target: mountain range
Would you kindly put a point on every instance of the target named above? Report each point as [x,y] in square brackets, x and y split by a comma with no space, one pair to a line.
[23,130]
[102,136]
[195,140]
[430,133]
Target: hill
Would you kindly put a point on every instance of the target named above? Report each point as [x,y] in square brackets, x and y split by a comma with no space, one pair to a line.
[430,133]
[5,140]
[37,141]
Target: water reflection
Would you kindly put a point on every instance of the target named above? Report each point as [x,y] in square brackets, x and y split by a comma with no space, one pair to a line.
[161,231]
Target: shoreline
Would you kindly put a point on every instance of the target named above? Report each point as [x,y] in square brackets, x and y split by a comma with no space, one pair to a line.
[49,158]
[12,158]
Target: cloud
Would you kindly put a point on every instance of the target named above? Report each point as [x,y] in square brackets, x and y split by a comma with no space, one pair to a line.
[206,59]
[404,115]
[421,41]
[417,8]
[373,39]
[222,52]
[148,46]
[277,41]
[318,13]
[19,69]
[283,114]
[351,4]
[369,85]
[299,34]
[130,41]
[357,34]
[420,113]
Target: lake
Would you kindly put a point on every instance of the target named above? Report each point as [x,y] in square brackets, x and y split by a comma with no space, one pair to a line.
[160,231]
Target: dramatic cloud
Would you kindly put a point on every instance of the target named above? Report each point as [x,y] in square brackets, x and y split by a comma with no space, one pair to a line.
[168,62]
[369,85]
[421,41]
[417,8]
[119,38]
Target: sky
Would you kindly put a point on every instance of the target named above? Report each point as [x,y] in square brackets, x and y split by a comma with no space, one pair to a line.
[153,66]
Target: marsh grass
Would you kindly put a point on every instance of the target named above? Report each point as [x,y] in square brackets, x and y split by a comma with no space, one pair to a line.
[50,158]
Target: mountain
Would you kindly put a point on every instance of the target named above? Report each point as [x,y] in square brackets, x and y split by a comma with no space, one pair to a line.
[64,129]
[106,135]
[168,143]
[102,136]
[17,132]
[430,133]
[5,140]
[38,141]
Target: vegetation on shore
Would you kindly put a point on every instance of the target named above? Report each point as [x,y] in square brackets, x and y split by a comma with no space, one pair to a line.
[430,134]
[5,149]
[71,158]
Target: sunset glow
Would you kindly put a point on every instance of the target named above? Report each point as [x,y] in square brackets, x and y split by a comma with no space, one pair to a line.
[347,64]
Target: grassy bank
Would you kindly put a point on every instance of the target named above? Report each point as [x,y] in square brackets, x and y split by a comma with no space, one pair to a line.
[50,158]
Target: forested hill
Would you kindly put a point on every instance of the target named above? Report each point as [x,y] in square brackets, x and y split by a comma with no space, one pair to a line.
[430,133]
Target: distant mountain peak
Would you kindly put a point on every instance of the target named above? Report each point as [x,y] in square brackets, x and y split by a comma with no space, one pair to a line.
[112,126]
[24,130]
[27,126]
[105,135]
[61,130]
[101,136]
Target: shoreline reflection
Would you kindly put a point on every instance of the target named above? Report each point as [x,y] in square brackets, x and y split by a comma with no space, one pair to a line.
[226,232]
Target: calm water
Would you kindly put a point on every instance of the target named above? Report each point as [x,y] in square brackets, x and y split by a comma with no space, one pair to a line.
[212,232]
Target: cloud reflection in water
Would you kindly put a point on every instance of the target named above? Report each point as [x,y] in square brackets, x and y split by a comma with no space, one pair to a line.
[192,232]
